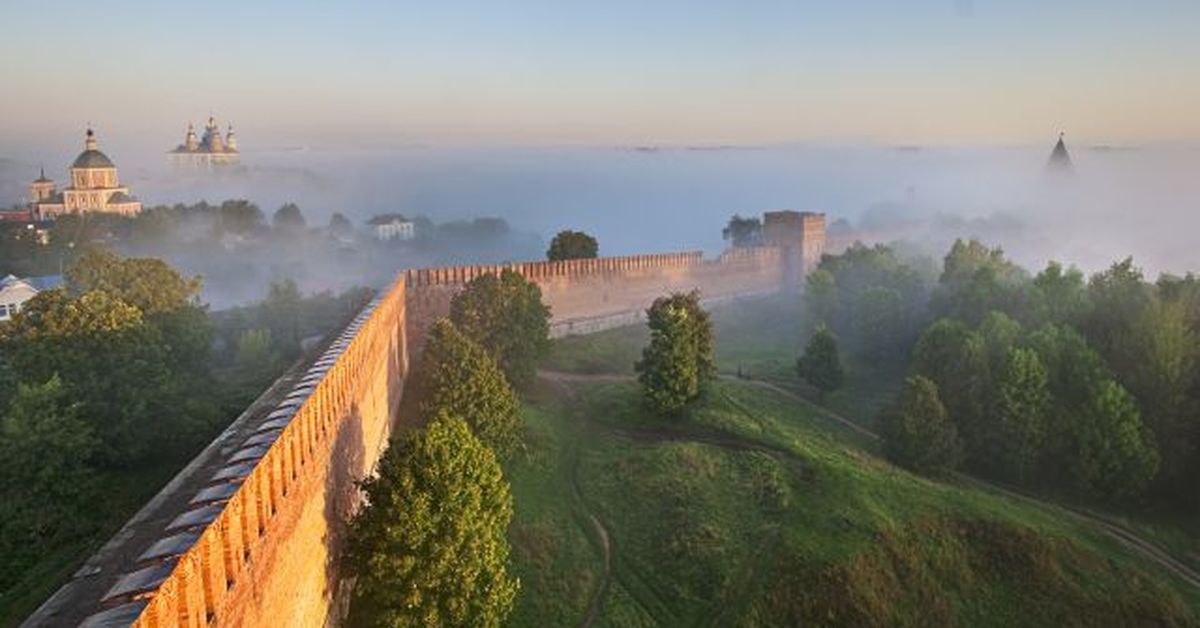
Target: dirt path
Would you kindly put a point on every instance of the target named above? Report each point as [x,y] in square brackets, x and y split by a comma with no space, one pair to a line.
[1130,539]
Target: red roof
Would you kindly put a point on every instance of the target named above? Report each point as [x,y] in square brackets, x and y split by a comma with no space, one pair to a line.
[16,216]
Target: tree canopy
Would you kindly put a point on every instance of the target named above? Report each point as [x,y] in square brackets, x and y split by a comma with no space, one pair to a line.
[743,231]
[505,315]
[679,362]
[572,245]
[288,218]
[457,377]
[430,548]
[918,433]
[820,364]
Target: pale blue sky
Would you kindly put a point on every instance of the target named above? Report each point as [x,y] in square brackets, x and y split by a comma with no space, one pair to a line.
[612,72]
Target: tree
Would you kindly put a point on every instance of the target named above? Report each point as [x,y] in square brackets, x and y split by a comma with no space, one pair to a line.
[1165,348]
[149,284]
[572,245]
[678,363]
[281,311]
[288,218]
[339,225]
[820,365]
[46,448]
[1113,456]
[976,280]
[430,546]
[44,476]
[1059,296]
[821,296]
[1118,296]
[918,433]
[115,365]
[955,358]
[238,217]
[458,378]
[254,355]
[505,315]
[166,299]
[1022,402]
[1095,436]
[743,231]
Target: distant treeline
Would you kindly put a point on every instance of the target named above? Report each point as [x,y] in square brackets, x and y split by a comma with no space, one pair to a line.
[240,250]
[1080,384]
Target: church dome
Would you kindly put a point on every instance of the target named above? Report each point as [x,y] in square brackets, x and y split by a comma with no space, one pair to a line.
[92,158]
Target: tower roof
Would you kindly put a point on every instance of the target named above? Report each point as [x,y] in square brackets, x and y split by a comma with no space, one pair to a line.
[1060,159]
[91,157]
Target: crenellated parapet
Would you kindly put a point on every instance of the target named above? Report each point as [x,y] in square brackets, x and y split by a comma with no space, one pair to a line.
[248,537]
[537,271]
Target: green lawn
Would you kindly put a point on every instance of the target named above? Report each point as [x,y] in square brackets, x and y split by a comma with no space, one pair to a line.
[759,510]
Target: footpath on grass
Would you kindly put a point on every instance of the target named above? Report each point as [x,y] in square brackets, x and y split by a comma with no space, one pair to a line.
[561,385]
[1130,539]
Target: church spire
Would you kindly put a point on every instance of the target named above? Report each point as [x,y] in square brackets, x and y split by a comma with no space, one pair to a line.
[89,142]
[1060,159]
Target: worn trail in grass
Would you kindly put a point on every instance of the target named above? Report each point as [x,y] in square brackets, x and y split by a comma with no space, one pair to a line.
[758,509]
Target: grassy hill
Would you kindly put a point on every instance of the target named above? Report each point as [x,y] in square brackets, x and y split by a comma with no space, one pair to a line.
[759,510]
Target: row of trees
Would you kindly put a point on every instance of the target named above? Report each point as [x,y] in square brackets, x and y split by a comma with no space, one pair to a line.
[1054,379]
[106,375]
[430,547]
[124,374]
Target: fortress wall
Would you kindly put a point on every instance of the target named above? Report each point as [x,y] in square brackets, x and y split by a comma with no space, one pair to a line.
[585,296]
[270,556]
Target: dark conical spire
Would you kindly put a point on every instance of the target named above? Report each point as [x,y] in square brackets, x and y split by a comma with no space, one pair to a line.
[1060,159]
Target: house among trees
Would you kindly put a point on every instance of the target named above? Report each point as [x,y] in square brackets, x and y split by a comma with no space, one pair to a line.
[392,227]
[15,292]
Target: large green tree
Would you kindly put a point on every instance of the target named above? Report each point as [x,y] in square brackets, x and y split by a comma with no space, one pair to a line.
[1113,455]
[114,364]
[149,284]
[1020,411]
[572,245]
[955,358]
[917,431]
[505,315]
[679,362]
[430,547]
[45,480]
[1164,347]
[820,365]
[975,280]
[457,377]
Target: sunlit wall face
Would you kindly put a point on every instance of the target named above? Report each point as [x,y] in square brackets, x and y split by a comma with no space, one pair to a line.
[602,73]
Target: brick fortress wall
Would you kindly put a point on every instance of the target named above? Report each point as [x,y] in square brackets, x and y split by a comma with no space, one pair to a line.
[258,545]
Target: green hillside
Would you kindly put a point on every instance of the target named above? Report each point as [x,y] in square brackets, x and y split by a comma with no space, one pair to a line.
[760,510]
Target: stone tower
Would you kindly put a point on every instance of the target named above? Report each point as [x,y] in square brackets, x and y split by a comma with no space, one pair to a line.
[41,189]
[801,235]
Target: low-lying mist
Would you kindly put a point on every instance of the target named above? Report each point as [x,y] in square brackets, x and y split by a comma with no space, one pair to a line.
[1139,201]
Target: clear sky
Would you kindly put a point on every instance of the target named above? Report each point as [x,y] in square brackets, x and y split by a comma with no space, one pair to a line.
[605,72]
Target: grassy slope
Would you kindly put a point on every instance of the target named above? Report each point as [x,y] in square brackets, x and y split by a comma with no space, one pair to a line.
[807,524]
